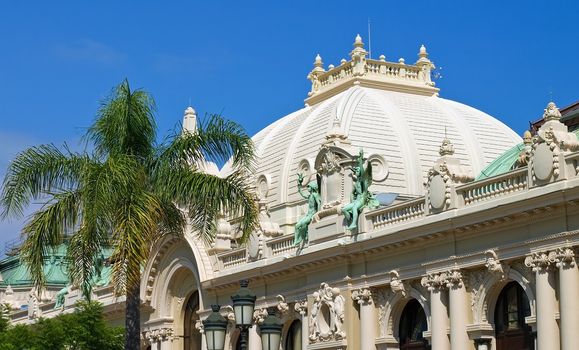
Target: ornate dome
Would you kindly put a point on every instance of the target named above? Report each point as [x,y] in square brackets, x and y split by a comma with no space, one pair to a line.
[388,109]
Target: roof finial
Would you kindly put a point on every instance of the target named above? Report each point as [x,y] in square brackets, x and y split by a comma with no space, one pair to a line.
[551,112]
[446,148]
[422,52]
[318,62]
[190,120]
[358,42]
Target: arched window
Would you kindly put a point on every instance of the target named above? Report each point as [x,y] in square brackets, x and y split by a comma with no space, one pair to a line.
[293,338]
[192,335]
[511,331]
[412,324]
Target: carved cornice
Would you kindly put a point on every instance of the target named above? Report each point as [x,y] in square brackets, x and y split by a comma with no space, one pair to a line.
[362,296]
[563,257]
[539,262]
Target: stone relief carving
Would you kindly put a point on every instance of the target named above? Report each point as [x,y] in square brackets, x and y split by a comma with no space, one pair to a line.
[362,296]
[474,283]
[434,282]
[158,335]
[396,284]
[383,297]
[563,257]
[282,306]
[495,266]
[259,315]
[327,315]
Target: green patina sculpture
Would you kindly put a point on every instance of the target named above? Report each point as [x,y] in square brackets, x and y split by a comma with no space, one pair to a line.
[60,297]
[361,197]
[314,204]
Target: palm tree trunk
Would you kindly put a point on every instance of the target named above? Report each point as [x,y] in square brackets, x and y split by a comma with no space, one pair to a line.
[133,319]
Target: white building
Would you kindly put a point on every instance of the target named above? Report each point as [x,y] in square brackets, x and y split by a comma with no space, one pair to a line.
[452,263]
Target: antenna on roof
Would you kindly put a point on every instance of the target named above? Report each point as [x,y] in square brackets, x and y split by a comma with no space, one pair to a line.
[369,40]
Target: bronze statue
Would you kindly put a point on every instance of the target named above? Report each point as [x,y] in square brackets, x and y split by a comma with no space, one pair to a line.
[314,204]
[361,197]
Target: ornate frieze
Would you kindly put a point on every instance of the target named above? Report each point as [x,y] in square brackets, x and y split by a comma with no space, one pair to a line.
[539,262]
[327,315]
[362,296]
[563,257]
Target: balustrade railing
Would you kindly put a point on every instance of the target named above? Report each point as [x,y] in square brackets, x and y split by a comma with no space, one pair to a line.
[404,211]
[232,258]
[500,185]
[281,245]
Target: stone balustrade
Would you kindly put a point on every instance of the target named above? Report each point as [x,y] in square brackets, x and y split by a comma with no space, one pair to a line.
[501,185]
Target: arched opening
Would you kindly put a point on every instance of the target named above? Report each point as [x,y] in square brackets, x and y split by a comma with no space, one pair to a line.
[192,335]
[511,331]
[412,324]
[293,338]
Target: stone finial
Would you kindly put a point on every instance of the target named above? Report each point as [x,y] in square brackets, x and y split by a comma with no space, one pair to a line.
[527,137]
[422,52]
[190,120]
[343,61]
[382,58]
[551,112]
[401,60]
[358,41]
[446,148]
[318,61]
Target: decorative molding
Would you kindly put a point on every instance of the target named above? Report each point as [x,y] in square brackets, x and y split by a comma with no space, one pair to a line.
[327,325]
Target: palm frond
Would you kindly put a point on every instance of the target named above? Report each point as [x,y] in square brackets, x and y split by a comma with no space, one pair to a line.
[125,124]
[36,171]
[47,228]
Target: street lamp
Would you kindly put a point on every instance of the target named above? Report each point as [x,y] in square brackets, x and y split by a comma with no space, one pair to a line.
[214,327]
[271,331]
[243,305]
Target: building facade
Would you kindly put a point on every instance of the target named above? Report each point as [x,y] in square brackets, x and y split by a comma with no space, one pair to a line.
[466,238]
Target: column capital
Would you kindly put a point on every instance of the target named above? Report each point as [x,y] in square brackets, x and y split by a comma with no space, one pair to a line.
[435,282]
[539,262]
[301,307]
[563,257]
[362,296]
[453,279]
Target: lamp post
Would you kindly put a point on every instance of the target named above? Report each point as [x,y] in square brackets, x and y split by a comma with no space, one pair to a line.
[214,327]
[243,306]
[271,331]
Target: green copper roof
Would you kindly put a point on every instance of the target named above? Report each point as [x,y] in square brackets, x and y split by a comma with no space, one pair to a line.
[15,273]
[506,161]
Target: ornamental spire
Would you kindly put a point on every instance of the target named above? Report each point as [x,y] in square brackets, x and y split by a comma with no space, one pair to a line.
[190,120]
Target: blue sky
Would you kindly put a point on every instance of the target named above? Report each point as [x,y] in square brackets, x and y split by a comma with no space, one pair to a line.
[249,59]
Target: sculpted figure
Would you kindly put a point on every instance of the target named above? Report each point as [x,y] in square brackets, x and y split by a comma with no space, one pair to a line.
[314,204]
[60,298]
[361,196]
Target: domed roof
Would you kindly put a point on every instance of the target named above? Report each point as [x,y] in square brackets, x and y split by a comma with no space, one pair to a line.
[389,109]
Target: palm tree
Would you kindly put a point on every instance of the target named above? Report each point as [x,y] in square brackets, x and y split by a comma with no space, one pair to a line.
[127,193]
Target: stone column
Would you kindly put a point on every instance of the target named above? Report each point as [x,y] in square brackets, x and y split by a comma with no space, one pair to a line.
[439,316]
[367,322]
[547,328]
[254,339]
[458,308]
[301,307]
[564,259]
